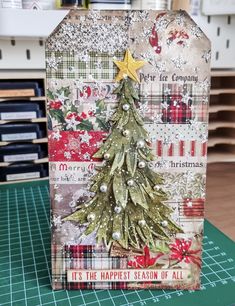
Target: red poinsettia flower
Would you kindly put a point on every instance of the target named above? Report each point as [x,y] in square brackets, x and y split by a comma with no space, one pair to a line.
[55,104]
[144,261]
[180,251]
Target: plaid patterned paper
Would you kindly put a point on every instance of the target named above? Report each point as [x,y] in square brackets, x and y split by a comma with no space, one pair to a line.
[66,65]
[91,257]
[174,110]
[176,103]
[58,259]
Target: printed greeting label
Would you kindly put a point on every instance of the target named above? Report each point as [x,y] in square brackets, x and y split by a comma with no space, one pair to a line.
[123,275]
[71,172]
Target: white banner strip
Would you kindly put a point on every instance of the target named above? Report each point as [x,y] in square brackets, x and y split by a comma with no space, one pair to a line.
[127,275]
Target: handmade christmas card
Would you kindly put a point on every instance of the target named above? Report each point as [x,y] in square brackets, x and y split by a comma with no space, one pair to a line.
[127,119]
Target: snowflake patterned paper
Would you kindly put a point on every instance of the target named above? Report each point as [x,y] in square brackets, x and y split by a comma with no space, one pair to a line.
[127,96]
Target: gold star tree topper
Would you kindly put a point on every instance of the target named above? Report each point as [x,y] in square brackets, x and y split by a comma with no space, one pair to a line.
[128,67]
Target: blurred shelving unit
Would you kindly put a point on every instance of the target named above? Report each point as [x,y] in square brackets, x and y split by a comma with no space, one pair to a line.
[41,121]
[221,144]
[22,35]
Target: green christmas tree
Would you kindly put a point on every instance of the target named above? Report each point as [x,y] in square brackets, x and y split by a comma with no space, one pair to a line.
[127,206]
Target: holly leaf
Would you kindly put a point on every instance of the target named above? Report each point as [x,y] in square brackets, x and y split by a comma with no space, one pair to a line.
[64,90]
[49,123]
[85,125]
[50,94]
[100,106]
[57,114]
[104,126]
[73,109]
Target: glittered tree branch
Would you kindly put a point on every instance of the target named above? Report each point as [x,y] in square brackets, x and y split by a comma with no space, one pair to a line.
[127,206]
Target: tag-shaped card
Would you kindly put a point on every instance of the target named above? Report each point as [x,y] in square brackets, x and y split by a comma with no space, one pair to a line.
[127,118]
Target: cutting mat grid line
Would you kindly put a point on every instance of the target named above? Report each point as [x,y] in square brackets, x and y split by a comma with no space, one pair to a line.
[25,259]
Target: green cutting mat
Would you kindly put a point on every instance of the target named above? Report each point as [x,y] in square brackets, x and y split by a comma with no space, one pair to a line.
[25,261]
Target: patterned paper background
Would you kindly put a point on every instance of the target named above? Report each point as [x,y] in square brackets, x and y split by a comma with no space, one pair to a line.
[173,101]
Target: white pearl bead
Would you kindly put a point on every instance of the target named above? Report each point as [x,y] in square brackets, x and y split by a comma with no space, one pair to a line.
[126,107]
[117,209]
[157,187]
[130,183]
[140,144]
[106,156]
[164,223]
[116,236]
[103,188]
[126,133]
[141,164]
[142,223]
[91,217]
[72,203]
